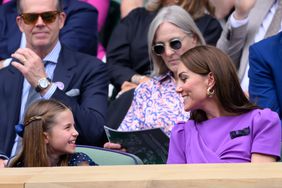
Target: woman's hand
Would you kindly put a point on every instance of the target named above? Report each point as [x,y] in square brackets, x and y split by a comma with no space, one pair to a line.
[126,86]
[261,158]
[3,163]
[114,146]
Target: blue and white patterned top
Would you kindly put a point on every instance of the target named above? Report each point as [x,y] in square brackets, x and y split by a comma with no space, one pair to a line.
[155,104]
[78,158]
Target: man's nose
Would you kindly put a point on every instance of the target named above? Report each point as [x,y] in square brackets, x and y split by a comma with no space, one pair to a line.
[39,21]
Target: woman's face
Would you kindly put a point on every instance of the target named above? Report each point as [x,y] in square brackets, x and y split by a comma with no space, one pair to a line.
[193,88]
[165,36]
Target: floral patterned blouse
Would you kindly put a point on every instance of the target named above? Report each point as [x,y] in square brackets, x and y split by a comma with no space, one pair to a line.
[155,104]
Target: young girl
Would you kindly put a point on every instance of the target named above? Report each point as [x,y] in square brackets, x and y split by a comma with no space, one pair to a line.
[49,137]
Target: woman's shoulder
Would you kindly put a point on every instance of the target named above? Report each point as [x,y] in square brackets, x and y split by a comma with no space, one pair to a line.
[264,113]
[182,131]
[263,118]
[182,127]
[79,158]
[154,83]
[149,85]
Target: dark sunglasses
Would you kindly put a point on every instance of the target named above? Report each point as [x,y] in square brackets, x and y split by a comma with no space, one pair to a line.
[174,44]
[47,17]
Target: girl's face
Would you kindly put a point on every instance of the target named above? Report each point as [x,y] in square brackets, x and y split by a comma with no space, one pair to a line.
[193,88]
[62,136]
[168,37]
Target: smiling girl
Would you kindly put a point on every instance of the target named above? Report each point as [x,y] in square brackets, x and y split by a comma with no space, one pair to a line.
[49,137]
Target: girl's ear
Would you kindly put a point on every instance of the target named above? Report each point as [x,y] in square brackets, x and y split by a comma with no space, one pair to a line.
[46,137]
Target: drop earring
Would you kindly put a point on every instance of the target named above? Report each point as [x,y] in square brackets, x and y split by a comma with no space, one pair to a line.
[210,92]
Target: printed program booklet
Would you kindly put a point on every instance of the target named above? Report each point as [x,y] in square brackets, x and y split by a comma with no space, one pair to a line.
[150,145]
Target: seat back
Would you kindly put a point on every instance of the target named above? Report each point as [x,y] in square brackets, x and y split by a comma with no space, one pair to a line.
[103,156]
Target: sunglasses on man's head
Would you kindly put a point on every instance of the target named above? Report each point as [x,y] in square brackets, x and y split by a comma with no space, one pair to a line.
[47,17]
[174,44]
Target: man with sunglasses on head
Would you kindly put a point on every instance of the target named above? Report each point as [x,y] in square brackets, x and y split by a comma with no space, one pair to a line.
[79,33]
[48,69]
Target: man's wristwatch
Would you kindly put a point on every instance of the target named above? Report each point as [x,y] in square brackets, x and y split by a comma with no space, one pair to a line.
[43,83]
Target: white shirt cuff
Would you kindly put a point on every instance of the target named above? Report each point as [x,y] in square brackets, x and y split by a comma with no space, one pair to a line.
[7,62]
[50,91]
[237,23]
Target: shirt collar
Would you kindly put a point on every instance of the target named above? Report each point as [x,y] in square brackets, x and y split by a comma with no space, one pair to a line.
[53,56]
[23,41]
[165,76]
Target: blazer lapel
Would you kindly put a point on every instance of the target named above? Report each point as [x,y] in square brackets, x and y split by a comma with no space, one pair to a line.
[14,86]
[63,72]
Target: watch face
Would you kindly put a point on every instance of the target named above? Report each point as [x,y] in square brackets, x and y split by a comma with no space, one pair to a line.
[43,83]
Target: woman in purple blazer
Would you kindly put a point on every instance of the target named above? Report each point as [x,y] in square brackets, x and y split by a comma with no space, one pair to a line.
[224,126]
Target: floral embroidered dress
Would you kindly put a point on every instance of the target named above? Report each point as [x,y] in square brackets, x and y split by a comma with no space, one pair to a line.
[155,104]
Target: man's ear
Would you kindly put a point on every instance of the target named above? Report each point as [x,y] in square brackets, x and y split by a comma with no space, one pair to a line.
[20,23]
[62,19]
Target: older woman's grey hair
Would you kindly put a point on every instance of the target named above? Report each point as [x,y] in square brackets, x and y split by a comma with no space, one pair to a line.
[181,19]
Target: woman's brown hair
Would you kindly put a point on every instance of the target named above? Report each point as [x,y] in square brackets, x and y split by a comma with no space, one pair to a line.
[205,59]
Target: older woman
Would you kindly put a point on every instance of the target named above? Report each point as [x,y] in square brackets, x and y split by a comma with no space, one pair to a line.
[155,103]
[127,56]
[224,126]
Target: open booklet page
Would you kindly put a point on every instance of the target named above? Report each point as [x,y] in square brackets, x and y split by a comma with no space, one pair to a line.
[150,145]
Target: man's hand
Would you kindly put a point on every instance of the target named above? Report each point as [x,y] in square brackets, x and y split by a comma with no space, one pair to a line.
[243,8]
[31,65]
